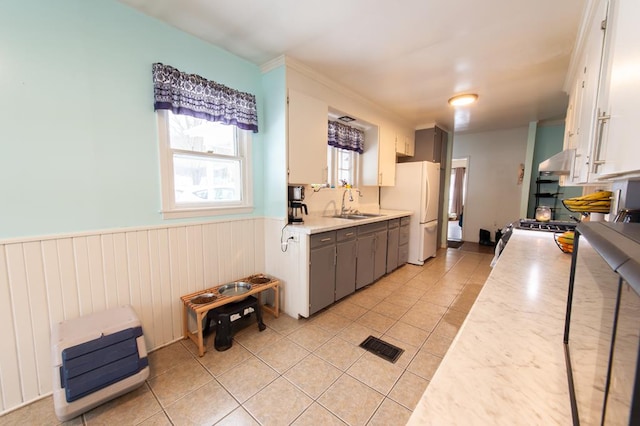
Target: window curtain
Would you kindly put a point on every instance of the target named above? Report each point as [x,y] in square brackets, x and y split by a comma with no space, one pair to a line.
[190,94]
[346,137]
[458,183]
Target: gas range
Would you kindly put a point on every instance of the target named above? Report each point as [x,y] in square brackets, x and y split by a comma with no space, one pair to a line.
[552,226]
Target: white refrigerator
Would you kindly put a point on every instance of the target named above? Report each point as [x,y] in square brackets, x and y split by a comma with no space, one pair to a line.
[417,189]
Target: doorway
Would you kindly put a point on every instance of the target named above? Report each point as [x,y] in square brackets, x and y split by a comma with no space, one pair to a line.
[457,197]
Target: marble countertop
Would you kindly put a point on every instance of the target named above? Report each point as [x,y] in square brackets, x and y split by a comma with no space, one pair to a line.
[314,224]
[506,365]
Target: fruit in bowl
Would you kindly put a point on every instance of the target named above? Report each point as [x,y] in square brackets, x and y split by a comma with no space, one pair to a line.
[565,241]
[598,202]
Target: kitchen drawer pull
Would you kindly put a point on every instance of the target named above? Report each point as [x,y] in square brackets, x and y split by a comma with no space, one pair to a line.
[348,234]
[324,240]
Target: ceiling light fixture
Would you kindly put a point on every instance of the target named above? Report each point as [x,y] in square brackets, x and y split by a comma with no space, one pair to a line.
[346,118]
[461,100]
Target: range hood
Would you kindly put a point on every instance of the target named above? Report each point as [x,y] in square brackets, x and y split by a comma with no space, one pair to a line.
[560,164]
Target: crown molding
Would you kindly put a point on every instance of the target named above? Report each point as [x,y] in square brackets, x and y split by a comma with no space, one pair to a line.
[272,64]
[427,126]
[314,75]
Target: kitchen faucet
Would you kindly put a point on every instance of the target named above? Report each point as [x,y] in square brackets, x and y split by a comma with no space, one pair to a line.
[342,207]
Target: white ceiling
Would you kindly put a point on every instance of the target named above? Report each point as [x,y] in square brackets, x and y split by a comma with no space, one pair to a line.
[409,56]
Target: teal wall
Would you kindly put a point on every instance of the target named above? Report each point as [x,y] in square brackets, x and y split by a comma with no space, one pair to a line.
[274,141]
[549,141]
[79,135]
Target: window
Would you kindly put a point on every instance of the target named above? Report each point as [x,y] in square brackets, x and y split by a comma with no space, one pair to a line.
[346,143]
[204,166]
[343,165]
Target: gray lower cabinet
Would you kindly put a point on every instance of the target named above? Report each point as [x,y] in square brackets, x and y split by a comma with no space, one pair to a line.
[346,262]
[393,238]
[364,263]
[372,253]
[380,254]
[322,271]
[403,242]
[342,261]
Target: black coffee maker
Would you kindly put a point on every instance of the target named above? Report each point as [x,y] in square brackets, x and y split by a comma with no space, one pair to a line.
[296,205]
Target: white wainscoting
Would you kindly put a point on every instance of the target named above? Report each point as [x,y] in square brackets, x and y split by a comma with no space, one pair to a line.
[48,280]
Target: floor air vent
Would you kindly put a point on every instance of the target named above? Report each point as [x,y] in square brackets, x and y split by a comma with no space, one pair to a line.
[382,349]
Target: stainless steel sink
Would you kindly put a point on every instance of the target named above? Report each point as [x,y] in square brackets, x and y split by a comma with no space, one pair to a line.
[355,216]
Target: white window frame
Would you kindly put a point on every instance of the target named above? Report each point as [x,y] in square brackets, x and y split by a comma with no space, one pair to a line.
[333,161]
[169,208]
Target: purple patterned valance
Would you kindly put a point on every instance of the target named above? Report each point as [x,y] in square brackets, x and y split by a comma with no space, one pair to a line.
[190,94]
[345,137]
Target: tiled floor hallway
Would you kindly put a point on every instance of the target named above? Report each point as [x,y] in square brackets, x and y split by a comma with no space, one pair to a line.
[309,371]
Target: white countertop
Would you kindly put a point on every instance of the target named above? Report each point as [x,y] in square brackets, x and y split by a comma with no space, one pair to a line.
[506,366]
[314,224]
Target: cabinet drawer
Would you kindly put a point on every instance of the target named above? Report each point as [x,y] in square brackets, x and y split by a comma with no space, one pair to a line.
[404,221]
[394,223]
[372,227]
[326,238]
[347,234]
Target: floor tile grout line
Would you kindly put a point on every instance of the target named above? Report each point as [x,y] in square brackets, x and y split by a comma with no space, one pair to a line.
[385,396]
[469,265]
[162,408]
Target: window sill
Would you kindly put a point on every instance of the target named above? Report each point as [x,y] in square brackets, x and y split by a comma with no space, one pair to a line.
[204,211]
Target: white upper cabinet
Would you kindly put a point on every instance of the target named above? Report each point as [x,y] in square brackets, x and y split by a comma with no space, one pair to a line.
[585,91]
[618,113]
[405,144]
[379,158]
[307,139]
[603,104]
[570,124]
[387,163]
[312,98]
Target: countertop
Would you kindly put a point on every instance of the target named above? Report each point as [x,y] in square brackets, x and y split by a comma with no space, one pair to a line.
[314,224]
[506,365]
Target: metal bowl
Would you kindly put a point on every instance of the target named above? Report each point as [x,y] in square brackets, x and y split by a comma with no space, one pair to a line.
[259,279]
[235,288]
[203,298]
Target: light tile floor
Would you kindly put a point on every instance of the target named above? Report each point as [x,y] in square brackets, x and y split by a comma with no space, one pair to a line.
[307,371]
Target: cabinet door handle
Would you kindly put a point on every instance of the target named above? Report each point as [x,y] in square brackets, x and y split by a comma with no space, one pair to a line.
[602,120]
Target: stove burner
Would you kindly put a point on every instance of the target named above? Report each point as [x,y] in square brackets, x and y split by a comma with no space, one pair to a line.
[547,226]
